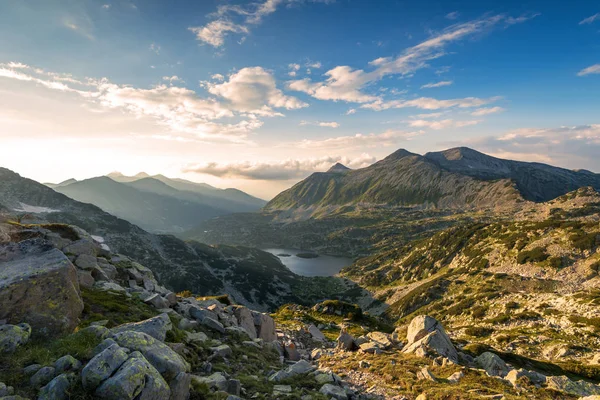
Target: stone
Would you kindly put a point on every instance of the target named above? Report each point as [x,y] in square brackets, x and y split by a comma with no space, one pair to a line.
[421,326]
[102,366]
[101,332]
[345,341]
[110,286]
[6,390]
[195,337]
[157,301]
[425,375]
[217,381]
[265,326]
[79,247]
[31,369]
[109,269]
[180,386]
[234,387]
[58,388]
[333,391]
[456,377]
[370,347]
[282,390]
[85,279]
[492,364]
[213,324]
[301,367]
[383,340]
[574,388]
[324,378]
[86,262]
[187,325]
[171,298]
[252,343]
[157,327]
[67,363]
[363,364]
[162,357]
[42,377]
[245,320]
[316,354]
[290,351]
[13,336]
[223,351]
[39,285]
[135,379]
[316,333]
[436,342]
[99,275]
[200,313]
[515,375]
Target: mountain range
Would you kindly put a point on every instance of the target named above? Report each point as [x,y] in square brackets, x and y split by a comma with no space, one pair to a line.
[157,203]
[458,178]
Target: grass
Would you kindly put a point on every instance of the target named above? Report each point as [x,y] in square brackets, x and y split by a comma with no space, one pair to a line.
[115,307]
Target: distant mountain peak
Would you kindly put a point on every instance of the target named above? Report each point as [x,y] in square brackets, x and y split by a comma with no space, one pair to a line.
[399,154]
[338,167]
[117,174]
[458,153]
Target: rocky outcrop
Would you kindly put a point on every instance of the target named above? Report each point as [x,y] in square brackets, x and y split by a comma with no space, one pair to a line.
[157,327]
[492,364]
[39,285]
[13,336]
[426,336]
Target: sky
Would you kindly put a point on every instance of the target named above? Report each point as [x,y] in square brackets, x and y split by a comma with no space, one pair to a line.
[259,94]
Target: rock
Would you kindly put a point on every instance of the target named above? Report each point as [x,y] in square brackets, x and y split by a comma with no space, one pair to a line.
[195,337]
[265,326]
[171,298]
[86,262]
[363,364]
[575,388]
[58,388]
[109,269]
[316,333]
[110,286]
[31,369]
[383,340]
[99,275]
[187,325]
[200,313]
[216,380]
[85,279]
[223,351]
[332,391]
[492,364]
[42,377]
[282,390]
[316,354]
[157,327]
[13,336]
[426,335]
[6,390]
[79,247]
[301,367]
[135,379]
[180,386]
[324,378]
[245,320]
[370,347]
[425,374]
[39,286]
[345,341]
[157,301]
[514,376]
[213,324]
[67,364]
[102,366]
[456,377]
[290,351]
[234,387]
[99,331]
[161,356]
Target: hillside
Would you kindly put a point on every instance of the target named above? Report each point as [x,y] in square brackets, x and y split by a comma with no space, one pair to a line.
[459,179]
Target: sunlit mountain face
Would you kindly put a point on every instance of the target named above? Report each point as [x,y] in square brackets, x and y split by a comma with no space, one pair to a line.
[260,94]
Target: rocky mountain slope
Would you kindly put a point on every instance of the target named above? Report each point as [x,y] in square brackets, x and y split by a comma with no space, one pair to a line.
[458,178]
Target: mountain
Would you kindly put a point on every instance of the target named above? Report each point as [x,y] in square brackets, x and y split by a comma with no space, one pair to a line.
[119,177]
[338,167]
[63,183]
[459,178]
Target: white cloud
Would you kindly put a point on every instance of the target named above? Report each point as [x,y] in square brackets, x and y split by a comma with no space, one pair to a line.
[453,15]
[594,69]
[440,124]
[437,84]
[294,68]
[351,111]
[428,103]
[79,28]
[172,79]
[486,111]
[155,48]
[106,6]
[218,77]
[344,83]
[589,20]
[521,19]
[315,65]
[322,124]
[278,170]
[386,139]
[214,32]
[253,90]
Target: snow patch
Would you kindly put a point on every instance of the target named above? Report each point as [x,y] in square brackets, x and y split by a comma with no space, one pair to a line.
[100,239]
[34,209]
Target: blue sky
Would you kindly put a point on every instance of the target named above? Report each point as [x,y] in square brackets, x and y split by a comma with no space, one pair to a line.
[259,94]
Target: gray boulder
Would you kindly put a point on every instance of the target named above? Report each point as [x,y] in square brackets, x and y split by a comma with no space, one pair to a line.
[135,379]
[180,386]
[79,247]
[102,366]
[316,333]
[13,336]
[492,364]
[161,356]
[42,377]
[222,351]
[157,301]
[574,388]
[6,390]
[39,285]
[157,327]
[215,381]
[86,262]
[346,342]
[426,336]
[245,321]
[333,391]
[58,388]
[265,326]
[67,364]
[213,324]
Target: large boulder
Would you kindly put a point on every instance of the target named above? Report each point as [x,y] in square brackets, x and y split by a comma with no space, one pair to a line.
[333,392]
[157,327]
[39,286]
[426,336]
[13,336]
[102,366]
[574,388]
[58,388]
[265,326]
[345,341]
[245,320]
[135,379]
[161,356]
[492,364]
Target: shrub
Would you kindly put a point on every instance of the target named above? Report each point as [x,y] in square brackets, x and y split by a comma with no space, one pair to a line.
[537,254]
[478,331]
[512,305]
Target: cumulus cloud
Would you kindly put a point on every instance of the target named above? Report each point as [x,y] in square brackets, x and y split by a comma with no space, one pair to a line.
[319,123]
[386,139]
[172,79]
[351,111]
[344,83]
[253,90]
[594,69]
[278,170]
[428,103]
[247,95]
[591,19]
[437,84]
[441,124]
[486,111]
[245,17]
